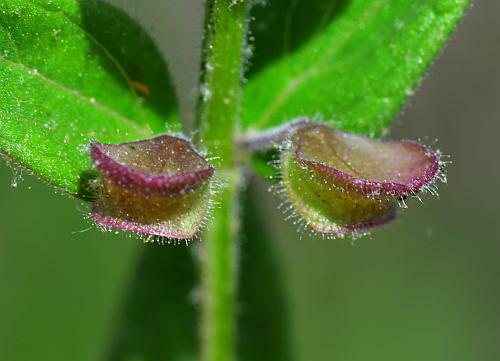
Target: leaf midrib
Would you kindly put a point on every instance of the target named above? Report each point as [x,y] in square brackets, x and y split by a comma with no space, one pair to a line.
[296,82]
[75,93]
[142,130]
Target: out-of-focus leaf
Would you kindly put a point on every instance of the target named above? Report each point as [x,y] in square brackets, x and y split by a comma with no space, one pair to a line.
[159,319]
[73,71]
[263,332]
[350,62]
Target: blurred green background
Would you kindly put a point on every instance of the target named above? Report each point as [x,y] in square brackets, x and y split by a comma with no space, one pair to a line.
[424,288]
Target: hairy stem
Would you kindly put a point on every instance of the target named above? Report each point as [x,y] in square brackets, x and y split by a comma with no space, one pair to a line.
[224,42]
[219,277]
[218,116]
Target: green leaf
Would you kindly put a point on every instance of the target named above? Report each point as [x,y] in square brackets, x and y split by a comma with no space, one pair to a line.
[159,319]
[263,323]
[60,283]
[351,63]
[71,72]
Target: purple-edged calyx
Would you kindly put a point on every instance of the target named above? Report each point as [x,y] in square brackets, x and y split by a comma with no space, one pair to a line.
[342,183]
[158,187]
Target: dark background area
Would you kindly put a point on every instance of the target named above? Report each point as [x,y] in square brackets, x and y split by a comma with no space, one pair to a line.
[424,288]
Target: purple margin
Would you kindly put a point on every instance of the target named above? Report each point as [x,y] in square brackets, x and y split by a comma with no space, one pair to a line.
[389,217]
[137,227]
[368,186]
[125,176]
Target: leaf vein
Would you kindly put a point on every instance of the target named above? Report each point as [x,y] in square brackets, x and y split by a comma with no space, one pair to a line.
[76,93]
[106,52]
[296,82]
[9,35]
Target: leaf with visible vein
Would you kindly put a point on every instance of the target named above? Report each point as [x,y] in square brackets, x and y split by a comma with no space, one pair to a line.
[73,71]
[353,67]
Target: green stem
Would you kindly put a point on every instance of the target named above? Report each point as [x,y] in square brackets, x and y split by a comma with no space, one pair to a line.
[222,69]
[218,118]
[219,277]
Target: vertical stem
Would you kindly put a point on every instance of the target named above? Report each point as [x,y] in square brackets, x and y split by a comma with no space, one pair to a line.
[219,278]
[218,117]
[222,69]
